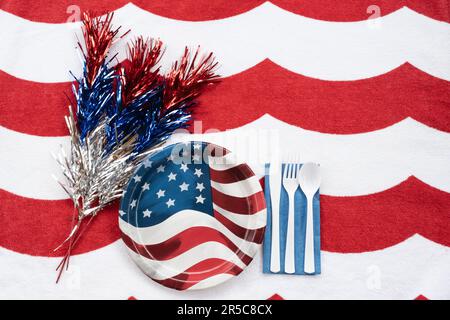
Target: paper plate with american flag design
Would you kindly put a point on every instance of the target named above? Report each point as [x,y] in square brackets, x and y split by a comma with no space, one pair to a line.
[192,216]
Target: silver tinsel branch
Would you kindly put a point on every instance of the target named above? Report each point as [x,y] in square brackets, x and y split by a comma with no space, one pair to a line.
[93,177]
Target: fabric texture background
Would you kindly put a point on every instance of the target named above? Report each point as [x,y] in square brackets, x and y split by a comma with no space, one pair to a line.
[362,89]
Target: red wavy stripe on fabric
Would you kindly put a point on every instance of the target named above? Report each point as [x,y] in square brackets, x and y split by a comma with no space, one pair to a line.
[350,10]
[248,205]
[341,107]
[253,235]
[36,227]
[380,220]
[349,224]
[58,11]
[275,297]
[32,107]
[234,174]
[200,271]
[183,242]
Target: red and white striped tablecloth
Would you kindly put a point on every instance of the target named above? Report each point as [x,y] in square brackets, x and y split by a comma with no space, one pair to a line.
[362,87]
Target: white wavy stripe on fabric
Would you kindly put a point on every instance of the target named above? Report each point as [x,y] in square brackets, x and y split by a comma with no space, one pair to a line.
[254,221]
[211,281]
[415,266]
[319,49]
[179,222]
[27,164]
[351,165]
[241,189]
[165,269]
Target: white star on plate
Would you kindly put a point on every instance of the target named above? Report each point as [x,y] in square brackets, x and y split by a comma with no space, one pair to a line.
[172,176]
[200,199]
[160,168]
[170,203]
[161,193]
[184,186]
[147,163]
[147,213]
[197,146]
[146,186]
[195,157]
[122,213]
[133,204]
[184,167]
[137,178]
[170,158]
[198,172]
[200,187]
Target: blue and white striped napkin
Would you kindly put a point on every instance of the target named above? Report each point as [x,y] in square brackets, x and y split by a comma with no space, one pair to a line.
[299,228]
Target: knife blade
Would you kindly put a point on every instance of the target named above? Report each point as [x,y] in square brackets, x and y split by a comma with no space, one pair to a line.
[275,189]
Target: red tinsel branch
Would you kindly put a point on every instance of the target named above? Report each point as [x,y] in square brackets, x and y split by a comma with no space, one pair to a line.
[140,74]
[99,36]
[188,77]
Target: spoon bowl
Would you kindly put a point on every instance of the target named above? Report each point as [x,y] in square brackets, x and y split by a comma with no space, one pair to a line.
[309,179]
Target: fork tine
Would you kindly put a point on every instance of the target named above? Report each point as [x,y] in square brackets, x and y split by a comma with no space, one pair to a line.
[285,172]
[289,170]
[293,171]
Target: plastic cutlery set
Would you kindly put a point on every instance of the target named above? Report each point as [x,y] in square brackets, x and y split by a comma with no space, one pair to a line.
[292,239]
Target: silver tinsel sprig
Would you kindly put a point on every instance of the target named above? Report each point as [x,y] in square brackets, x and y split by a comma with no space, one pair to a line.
[93,177]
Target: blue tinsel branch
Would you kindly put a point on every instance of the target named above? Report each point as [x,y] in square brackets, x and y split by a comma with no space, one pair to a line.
[93,100]
[144,116]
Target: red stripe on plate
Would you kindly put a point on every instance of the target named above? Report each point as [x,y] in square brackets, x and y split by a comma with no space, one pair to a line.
[183,242]
[216,152]
[249,205]
[234,174]
[340,107]
[200,271]
[253,235]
